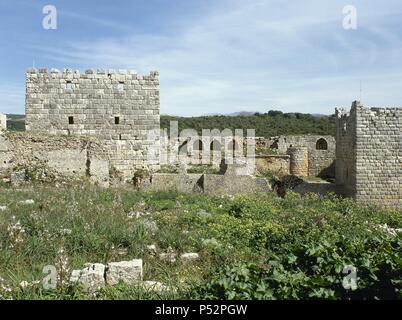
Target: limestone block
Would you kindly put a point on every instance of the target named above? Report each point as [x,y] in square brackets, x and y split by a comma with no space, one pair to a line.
[129,272]
[92,277]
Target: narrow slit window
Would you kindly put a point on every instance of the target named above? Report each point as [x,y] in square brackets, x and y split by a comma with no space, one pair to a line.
[116,120]
[70,120]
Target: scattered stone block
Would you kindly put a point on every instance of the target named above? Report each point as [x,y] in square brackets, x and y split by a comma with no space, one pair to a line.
[129,272]
[168,256]
[92,277]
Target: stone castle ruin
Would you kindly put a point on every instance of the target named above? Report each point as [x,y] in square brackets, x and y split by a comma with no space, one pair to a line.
[369,154]
[300,155]
[118,108]
[103,126]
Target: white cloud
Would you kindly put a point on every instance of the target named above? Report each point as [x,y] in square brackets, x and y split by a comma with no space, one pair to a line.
[254,56]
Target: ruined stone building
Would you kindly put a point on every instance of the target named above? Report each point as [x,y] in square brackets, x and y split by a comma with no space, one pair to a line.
[301,155]
[119,108]
[369,154]
[95,124]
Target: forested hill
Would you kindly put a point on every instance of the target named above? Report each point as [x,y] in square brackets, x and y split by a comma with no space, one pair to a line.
[268,124]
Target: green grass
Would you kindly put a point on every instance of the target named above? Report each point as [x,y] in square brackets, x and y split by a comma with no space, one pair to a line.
[258,246]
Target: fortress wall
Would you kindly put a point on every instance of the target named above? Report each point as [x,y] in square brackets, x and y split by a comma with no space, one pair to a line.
[121,108]
[369,154]
[379,155]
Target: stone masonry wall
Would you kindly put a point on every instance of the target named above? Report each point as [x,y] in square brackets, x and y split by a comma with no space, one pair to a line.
[321,162]
[53,158]
[345,166]
[3,122]
[379,155]
[298,161]
[373,148]
[278,164]
[120,108]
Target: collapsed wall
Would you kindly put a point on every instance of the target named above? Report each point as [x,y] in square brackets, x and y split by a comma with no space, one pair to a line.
[48,158]
[120,108]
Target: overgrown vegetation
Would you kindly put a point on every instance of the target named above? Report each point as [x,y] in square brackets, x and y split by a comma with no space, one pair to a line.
[15,122]
[272,123]
[251,247]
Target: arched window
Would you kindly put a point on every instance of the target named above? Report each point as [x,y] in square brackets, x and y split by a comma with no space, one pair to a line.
[198,145]
[321,144]
[215,146]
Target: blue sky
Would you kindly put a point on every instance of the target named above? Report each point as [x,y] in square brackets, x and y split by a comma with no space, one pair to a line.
[215,56]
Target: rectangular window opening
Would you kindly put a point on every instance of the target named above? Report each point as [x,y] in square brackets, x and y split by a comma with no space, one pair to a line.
[116,120]
[69,85]
[70,120]
[120,86]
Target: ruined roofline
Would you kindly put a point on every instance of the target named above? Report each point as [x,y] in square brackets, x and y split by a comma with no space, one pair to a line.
[89,72]
[356,105]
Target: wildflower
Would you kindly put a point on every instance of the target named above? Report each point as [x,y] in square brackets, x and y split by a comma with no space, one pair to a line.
[4,288]
[15,233]
[65,232]
[62,266]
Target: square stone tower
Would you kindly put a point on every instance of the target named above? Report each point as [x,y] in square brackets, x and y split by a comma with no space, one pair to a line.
[369,154]
[120,108]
